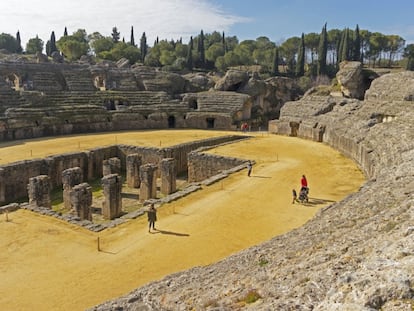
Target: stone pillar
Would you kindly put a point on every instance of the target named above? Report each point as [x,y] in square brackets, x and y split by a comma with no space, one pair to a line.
[111,166]
[39,191]
[70,178]
[133,162]
[112,187]
[81,200]
[148,187]
[168,176]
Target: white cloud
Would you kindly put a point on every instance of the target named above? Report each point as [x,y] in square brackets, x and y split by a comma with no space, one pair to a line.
[167,19]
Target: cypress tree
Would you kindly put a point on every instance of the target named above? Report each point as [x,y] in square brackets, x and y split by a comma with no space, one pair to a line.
[201,51]
[322,52]
[300,65]
[189,61]
[345,46]
[19,43]
[143,46]
[223,42]
[52,44]
[275,69]
[356,55]
[132,42]
[65,32]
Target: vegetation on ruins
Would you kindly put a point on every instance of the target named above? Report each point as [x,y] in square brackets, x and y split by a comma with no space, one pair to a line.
[311,55]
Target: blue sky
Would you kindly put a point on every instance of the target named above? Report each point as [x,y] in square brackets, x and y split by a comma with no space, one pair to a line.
[172,19]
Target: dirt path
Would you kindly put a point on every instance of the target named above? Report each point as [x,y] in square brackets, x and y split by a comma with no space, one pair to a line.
[46,264]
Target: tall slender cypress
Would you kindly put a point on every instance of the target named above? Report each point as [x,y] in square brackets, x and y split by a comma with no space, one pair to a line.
[143,46]
[300,65]
[52,44]
[189,60]
[356,55]
[19,43]
[65,32]
[275,69]
[345,46]
[322,52]
[201,51]
[223,42]
[132,41]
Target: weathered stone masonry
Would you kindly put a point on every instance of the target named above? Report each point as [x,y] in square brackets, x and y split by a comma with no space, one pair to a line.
[39,191]
[70,178]
[14,177]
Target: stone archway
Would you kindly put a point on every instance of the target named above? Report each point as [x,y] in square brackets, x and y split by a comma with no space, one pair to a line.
[210,123]
[99,82]
[171,122]
[13,81]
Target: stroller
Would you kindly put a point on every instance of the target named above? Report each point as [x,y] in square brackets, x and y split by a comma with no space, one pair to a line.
[303,195]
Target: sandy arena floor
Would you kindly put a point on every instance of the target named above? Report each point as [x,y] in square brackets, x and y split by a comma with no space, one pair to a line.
[47,264]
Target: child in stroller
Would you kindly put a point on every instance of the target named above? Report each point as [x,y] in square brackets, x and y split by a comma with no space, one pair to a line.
[303,195]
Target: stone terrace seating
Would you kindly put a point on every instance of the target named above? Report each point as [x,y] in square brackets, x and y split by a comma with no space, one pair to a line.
[79,80]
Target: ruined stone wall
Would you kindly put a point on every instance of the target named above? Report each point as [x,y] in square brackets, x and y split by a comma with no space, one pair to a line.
[180,152]
[202,166]
[14,177]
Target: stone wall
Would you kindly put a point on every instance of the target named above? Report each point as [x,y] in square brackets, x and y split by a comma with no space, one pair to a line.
[356,254]
[15,176]
[202,166]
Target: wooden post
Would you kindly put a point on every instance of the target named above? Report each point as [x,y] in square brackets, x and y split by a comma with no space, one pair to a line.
[99,245]
[7,216]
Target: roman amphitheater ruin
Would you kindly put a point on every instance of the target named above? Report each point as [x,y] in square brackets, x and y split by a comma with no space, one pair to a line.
[354,254]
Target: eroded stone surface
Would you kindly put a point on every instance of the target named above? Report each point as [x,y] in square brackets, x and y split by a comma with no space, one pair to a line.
[357,254]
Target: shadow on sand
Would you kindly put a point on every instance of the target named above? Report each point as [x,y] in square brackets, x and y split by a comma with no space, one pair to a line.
[315,201]
[169,232]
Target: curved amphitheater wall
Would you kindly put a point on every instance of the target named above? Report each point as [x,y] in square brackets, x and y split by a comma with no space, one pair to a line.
[356,254]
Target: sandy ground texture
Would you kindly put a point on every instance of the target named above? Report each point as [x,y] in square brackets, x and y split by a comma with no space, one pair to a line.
[47,264]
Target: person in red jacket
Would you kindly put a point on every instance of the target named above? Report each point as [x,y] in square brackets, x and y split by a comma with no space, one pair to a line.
[304,182]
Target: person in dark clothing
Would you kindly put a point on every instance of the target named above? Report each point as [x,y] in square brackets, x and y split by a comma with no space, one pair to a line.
[249,168]
[152,217]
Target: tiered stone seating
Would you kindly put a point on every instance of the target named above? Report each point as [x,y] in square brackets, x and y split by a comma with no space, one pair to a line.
[79,80]
[47,81]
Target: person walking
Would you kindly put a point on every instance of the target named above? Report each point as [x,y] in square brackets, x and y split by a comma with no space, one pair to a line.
[294,196]
[152,217]
[249,168]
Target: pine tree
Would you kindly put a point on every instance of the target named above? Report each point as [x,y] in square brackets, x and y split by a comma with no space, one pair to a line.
[275,69]
[132,42]
[300,65]
[65,32]
[115,35]
[143,46]
[189,61]
[356,55]
[322,52]
[201,51]
[19,43]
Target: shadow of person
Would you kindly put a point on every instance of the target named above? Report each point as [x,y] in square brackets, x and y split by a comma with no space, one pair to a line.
[170,232]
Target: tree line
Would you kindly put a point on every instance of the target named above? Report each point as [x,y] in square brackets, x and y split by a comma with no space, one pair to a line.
[312,54]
